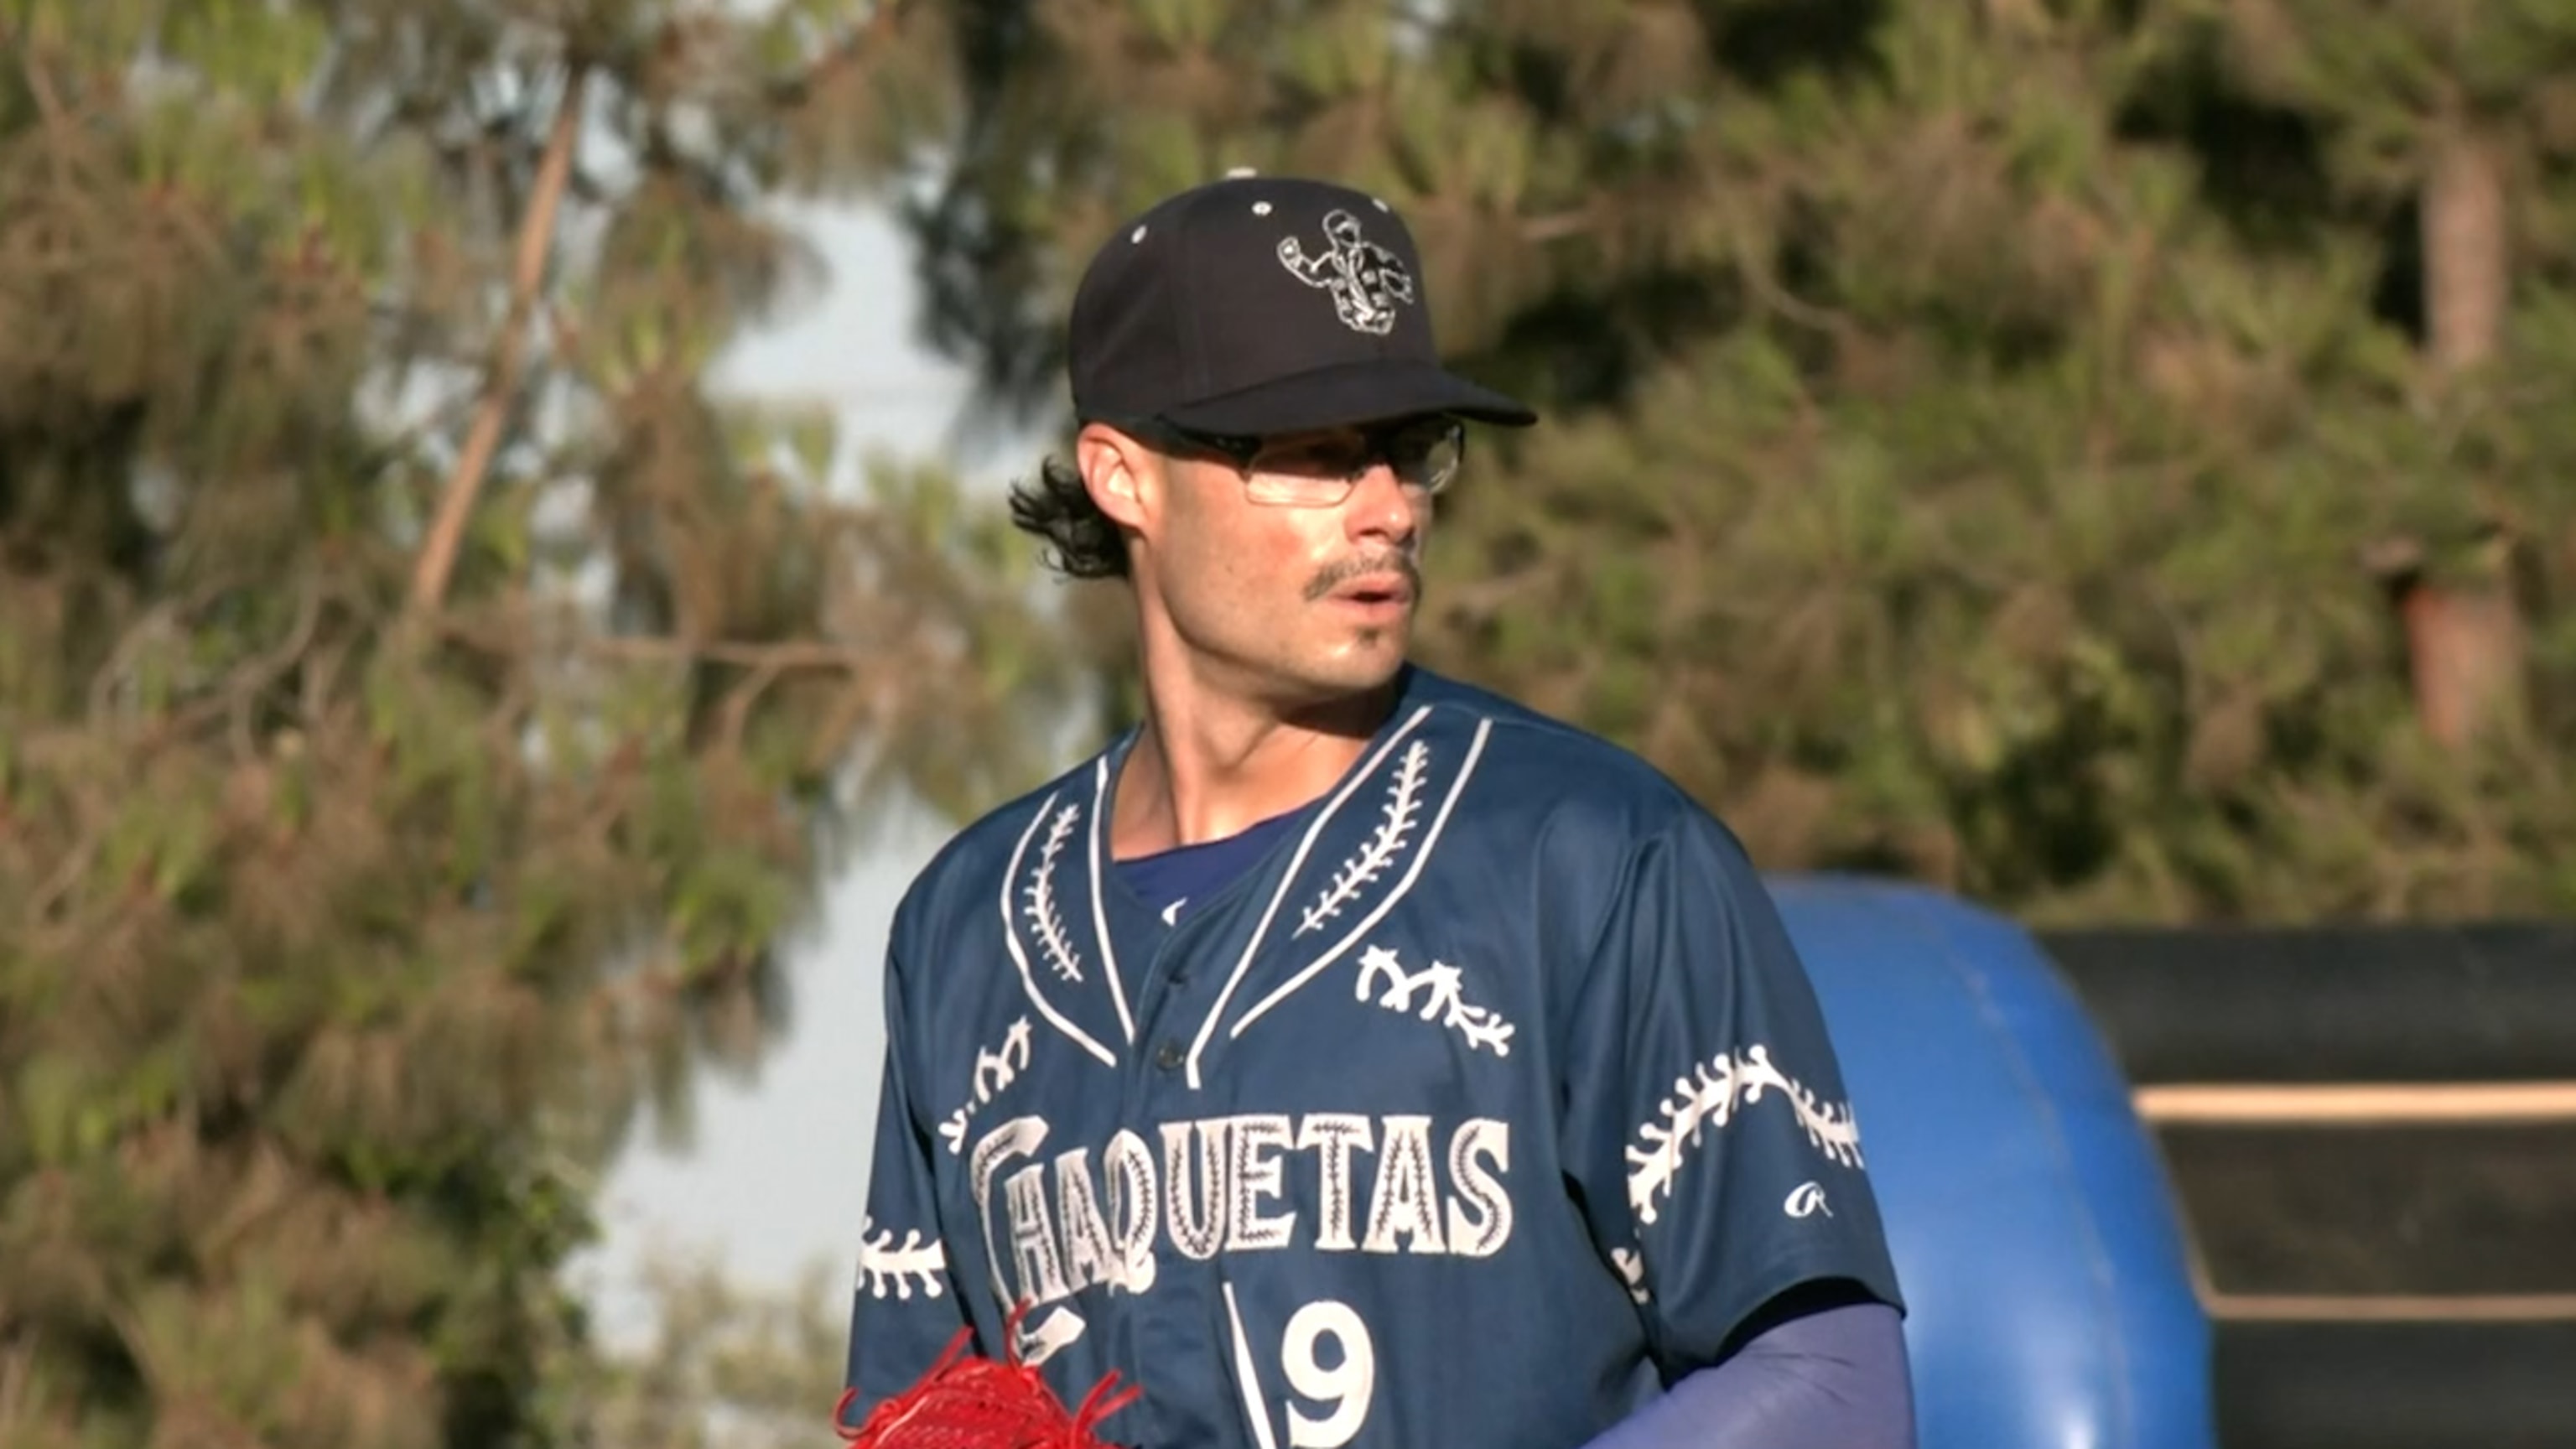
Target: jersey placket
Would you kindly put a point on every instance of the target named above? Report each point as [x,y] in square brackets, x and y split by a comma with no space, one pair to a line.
[1179,1327]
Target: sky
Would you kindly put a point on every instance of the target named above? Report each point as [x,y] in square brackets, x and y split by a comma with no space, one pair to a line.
[776,1177]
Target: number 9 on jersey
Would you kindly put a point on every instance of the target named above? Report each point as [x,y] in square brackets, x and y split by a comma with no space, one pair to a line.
[1330,1365]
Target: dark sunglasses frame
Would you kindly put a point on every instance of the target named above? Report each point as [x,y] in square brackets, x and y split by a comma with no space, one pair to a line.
[1244,450]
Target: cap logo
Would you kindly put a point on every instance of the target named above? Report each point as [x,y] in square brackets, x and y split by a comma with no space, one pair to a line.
[1366,279]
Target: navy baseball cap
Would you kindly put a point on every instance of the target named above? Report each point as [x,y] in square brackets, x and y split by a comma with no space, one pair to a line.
[1260,305]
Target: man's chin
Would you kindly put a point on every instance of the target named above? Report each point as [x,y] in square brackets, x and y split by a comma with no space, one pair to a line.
[1372,660]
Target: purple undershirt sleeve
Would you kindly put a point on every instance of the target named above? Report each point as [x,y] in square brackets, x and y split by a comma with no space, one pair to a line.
[1835,1379]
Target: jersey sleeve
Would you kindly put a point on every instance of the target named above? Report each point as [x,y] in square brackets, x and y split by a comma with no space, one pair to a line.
[1707,1124]
[904,1305]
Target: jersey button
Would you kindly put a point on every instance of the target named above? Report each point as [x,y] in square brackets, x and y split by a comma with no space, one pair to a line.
[1169,1056]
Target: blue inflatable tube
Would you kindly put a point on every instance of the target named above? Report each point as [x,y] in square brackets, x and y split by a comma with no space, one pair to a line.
[2036,1238]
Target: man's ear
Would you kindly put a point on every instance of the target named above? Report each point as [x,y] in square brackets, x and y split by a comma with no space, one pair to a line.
[1124,477]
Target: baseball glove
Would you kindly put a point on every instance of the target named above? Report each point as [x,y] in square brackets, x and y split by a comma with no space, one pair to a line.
[967,1401]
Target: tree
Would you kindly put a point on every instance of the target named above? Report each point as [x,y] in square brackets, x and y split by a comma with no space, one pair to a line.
[424,704]
[1982,439]
[2444,120]
[721,1364]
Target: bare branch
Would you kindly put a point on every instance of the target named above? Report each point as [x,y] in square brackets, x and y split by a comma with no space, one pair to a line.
[854,48]
[257,675]
[41,88]
[17,1370]
[536,241]
[68,873]
[1775,296]
[1540,230]
[769,658]
[738,703]
[49,108]
[775,657]
[154,622]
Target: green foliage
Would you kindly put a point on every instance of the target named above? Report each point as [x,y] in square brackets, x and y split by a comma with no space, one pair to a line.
[354,911]
[1993,442]
[719,1365]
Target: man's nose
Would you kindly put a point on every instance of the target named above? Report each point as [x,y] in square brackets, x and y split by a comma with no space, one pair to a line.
[1382,507]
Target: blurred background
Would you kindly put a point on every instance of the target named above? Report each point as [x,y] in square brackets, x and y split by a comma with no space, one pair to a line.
[502,580]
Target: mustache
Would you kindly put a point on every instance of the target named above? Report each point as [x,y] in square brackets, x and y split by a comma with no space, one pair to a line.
[1323,584]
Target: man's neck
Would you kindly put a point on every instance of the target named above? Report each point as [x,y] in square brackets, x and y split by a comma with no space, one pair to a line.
[1206,766]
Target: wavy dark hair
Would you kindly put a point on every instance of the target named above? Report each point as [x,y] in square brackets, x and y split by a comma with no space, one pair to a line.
[1081,540]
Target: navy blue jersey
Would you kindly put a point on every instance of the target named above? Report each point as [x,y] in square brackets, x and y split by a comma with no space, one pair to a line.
[1490,1099]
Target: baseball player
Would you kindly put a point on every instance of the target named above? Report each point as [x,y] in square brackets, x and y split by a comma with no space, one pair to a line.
[1343,1055]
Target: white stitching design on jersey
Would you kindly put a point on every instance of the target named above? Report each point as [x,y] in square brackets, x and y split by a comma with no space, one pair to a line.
[888,1270]
[1377,913]
[1442,1000]
[1710,1096]
[995,1070]
[1019,1137]
[1296,862]
[1043,916]
[1632,1271]
[1019,951]
[1404,803]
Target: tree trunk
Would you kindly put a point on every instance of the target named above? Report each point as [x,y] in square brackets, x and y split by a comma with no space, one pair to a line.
[2465,263]
[2466,641]
[2464,635]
